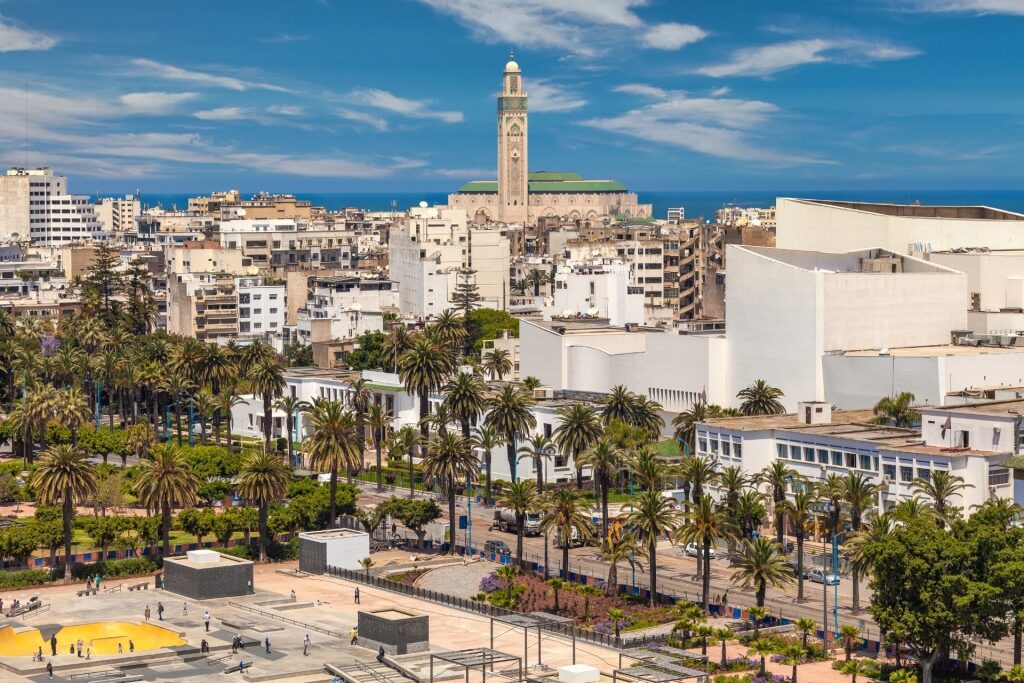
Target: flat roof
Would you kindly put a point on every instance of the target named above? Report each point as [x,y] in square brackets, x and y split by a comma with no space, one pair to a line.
[1000,408]
[940,350]
[920,211]
[222,561]
[325,534]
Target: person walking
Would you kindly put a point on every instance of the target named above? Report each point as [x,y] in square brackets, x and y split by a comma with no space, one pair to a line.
[147,613]
[305,645]
[131,646]
[293,595]
[356,595]
[204,647]
[78,645]
[266,643]
[53,645]
[120,650]
[234,645]
[380,654]
[184,609]
[160,610]
[355,635]
[49,669]
[206,620]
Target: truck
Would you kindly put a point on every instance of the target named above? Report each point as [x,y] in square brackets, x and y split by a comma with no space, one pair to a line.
[574,538]
[505,519]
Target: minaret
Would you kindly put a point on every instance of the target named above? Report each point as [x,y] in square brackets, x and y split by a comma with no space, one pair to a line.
[513,194]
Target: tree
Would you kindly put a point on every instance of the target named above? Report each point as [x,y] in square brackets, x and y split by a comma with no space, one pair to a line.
[850,634]
[859,494]
[405,441]
[423,368]
[483,324]
[266,377]
[369,352]
[465,298]
[792,655]
[205,407]
[536,278]
[778,476]
[566,509]
[359,397]
[464,398]
[708,525]
[450,460]
[166,481]
[223,529]
[414,513]
[805,627]
[264,480]
[509,414]
[379,419]
[685,423]
[71,409]
[757,615]
[761,565]
[538,449]
[603,459]
[366,563]
[197,522]
[761,398]
[941,486]
[897,410]
[697,473]
[857,667]
[520,497]
[497,363]
[332,444]
[723,636]
[653,515]
[64,476]
[103,280]
[18,542]
[579,428]
[800,513]
[290,406]
[617,616]
[615,551]
[763,648]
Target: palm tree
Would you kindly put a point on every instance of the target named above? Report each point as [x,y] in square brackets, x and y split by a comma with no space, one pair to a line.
[761,565]
[266,378]
[897,410]
[264,479]
[850,634]
[450,460]
[71,409]
[750,511]
[226,401]
[166,481]
[757,615]
[859,494]
[876,529]
[579,428]
[856,667]
[799,512]
[912,509]
[205,407]
[332,444]
[538,449]
[405,441]
[941,486]
[379,419]
[910,676]
[604,459]
[464,398]
[732,481]
[520,497]
[647,416]
[723,636]
[535,278]
[697,472]
[614,552]
[762,647]
[778,476]
[792,655]
[449,329]
[422,368]
[618,405]
[509,413]
[761,398]
[497,363]
[653,515]
[64,476]
[366,563]
[359,397]
[617,616]
[686,422]
[291,406]
[708,525]
[648,468]
[805,627]
[566,508]
[177,387]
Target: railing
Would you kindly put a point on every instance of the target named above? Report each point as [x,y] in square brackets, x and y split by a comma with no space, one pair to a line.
[376,675]
[32,613]
[292,622]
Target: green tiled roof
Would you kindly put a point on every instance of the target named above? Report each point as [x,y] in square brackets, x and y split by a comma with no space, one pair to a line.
[480,186]
[550,185]
[553,175]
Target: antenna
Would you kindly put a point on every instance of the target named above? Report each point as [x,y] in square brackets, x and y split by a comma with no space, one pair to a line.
[25,140]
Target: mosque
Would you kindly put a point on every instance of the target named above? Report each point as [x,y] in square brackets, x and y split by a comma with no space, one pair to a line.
[524,197]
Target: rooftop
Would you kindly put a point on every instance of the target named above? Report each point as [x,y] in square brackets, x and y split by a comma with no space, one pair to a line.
[933,351]
[918,211]
[550,181]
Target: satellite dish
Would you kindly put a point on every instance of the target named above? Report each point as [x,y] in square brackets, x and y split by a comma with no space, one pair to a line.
[423,205]
[593,311]
[567,313]
[252,270]
[355,306]
[240,212]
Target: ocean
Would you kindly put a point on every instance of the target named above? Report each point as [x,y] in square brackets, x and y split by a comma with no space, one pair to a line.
[696,203]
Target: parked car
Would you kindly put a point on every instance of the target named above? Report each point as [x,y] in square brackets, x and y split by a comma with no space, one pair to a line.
[693,550]
[792,564]
[497,547]
[818,576]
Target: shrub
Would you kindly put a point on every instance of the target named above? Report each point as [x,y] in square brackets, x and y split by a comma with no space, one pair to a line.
[490,583]
[114,569]
[244,551]
[21,579]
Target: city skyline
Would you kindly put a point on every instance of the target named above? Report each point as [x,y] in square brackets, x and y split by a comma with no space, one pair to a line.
[327,96]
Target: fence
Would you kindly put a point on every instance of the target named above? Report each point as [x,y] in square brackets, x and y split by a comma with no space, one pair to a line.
[292,622]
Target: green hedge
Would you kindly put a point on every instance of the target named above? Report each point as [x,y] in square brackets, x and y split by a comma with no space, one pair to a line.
[111,569]
[21,579]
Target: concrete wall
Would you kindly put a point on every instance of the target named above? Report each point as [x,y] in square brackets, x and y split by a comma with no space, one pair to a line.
[205,583]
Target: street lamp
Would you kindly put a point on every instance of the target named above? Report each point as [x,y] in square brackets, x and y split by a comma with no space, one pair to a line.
[829,508]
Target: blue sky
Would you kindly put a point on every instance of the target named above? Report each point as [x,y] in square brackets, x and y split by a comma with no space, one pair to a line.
[392,95]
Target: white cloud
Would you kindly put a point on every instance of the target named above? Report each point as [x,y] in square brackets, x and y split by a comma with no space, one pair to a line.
[416,109]
[378,123]
[468,173]
[224,114]
[970,6]
[580,26]
[548,96]
[286,110]
[155,103]
[642,89]
[672,36]
[770,59]
[285,38]
[718,127]
[174,73]
[720,91]
[14,38]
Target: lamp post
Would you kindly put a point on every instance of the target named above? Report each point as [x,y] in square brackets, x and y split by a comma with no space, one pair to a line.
[827,508]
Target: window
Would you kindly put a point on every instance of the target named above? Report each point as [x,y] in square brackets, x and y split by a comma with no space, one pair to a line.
[963,438]
[837,458]
[997,476]
[782,450]
[808,454]
[726,448]
[865,462]
[738,449]
[702,445]
[924,474]
[547,431]
[906,474]
[889,471]
[794,452]
[851,459]
[714,445]
[822,456]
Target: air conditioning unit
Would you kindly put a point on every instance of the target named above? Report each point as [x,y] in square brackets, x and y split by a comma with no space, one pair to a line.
[544,392]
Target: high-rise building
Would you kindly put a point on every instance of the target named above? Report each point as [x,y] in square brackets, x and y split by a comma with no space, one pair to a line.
[35,204]
[118,214]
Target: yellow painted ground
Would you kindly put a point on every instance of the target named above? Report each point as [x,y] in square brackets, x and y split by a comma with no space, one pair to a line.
[102,636]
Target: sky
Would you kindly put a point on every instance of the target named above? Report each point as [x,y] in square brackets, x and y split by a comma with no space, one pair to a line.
[398,95]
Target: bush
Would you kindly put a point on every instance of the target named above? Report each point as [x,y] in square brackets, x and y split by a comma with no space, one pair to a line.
[21,579]
[246,552]
[113,569]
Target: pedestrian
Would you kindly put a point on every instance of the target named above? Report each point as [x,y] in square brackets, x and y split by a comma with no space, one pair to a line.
[53,645]
[234,645]
[120,650]
[147,612]
[241,665]
[97,582]
[184,609]
[266,643]
[293,594]
[241,642]
[305,645]
[39,655]
[355,635]
[380,654]
[71,651]
[204,647]
[49,669]
[356,594]
[206,620]
[131,646]
[79,646]
[88,653]
[160,610]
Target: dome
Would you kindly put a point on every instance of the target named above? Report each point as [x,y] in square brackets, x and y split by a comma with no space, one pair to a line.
[511,66]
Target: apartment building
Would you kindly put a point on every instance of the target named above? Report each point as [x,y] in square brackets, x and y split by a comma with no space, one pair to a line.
[600,290]
[205,257]
[262,307]
[341,308]
[118,214]
[35,204]
[157,228]
[202,305]
[281,244]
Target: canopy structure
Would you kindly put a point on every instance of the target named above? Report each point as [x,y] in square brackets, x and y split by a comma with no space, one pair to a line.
[655,667]
[483,658]
[539,621]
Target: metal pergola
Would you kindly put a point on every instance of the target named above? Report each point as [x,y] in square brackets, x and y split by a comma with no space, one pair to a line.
[473,658]
[657,669]
[541,621]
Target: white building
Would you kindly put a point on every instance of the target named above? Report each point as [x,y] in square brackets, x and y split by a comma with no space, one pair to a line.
[602,290]
[35,203]
[118,214]
[261,307]
[350,306]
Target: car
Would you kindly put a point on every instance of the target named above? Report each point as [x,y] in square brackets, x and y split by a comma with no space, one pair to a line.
[792,564]
[497,547]
[693,550]
[818,576]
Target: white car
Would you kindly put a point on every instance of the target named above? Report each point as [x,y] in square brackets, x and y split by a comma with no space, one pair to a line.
[693,550]
[818,576]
